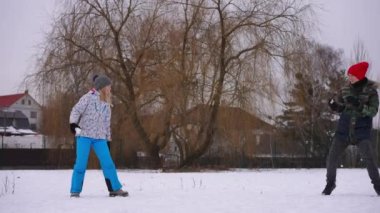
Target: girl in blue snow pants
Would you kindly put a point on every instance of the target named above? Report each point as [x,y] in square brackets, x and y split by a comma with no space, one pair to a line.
[90,121]
[100,147]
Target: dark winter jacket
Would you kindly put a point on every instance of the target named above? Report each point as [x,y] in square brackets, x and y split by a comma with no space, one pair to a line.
[358,103]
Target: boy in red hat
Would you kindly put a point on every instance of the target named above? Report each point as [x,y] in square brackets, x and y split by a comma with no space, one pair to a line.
[357,104]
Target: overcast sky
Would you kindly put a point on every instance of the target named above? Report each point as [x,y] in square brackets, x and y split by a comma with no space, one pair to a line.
[23,24]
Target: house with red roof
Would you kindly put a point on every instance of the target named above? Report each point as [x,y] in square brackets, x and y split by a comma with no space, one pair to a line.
[20,111]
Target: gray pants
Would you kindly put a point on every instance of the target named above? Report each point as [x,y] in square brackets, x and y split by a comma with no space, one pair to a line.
[366,151]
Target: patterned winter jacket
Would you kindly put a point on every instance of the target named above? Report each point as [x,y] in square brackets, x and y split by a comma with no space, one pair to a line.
[355,122]
[93,115]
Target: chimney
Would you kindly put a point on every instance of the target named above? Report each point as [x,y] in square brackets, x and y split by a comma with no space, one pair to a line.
[26,92]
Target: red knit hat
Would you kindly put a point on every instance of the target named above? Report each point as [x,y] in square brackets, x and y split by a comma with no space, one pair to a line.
[358,70]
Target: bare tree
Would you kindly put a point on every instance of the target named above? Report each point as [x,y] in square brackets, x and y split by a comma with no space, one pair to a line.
[318,77]
[235,33]
[168,57]
[359,52]
[120,38]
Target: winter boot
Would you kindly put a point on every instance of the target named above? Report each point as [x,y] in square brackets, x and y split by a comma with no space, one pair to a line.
[377,188]
[330,186]
[74,194]
[119,192]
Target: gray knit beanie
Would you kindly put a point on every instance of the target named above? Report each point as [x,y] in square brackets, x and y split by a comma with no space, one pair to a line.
[101,81]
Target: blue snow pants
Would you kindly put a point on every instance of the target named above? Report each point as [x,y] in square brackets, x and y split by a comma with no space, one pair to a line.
[83,145]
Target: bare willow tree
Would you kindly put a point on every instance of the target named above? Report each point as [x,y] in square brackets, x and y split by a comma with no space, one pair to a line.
[167,57]
[61,78]
[236,43]
[120,38]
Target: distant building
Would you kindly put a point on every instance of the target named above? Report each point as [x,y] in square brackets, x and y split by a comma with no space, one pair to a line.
[238,133]
[15,119]
[21,111]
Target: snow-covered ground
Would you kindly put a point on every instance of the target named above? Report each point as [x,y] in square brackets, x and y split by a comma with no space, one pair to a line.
[282,190]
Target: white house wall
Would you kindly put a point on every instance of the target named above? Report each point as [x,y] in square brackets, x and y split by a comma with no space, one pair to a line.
[23,142]
[27,109]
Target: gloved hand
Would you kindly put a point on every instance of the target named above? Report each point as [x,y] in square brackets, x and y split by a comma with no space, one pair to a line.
[73,126]
[354,101]
[332,104]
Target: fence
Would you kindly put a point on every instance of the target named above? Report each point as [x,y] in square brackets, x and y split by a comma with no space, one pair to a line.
[37,158]
[64,159]
[59,159]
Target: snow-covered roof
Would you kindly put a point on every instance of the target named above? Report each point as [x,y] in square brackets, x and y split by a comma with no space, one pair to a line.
[11,130]
[27,131]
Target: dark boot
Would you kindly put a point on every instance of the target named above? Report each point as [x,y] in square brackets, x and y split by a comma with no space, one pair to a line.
[377,188]
[119,192]
[330,186]
[74,194]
